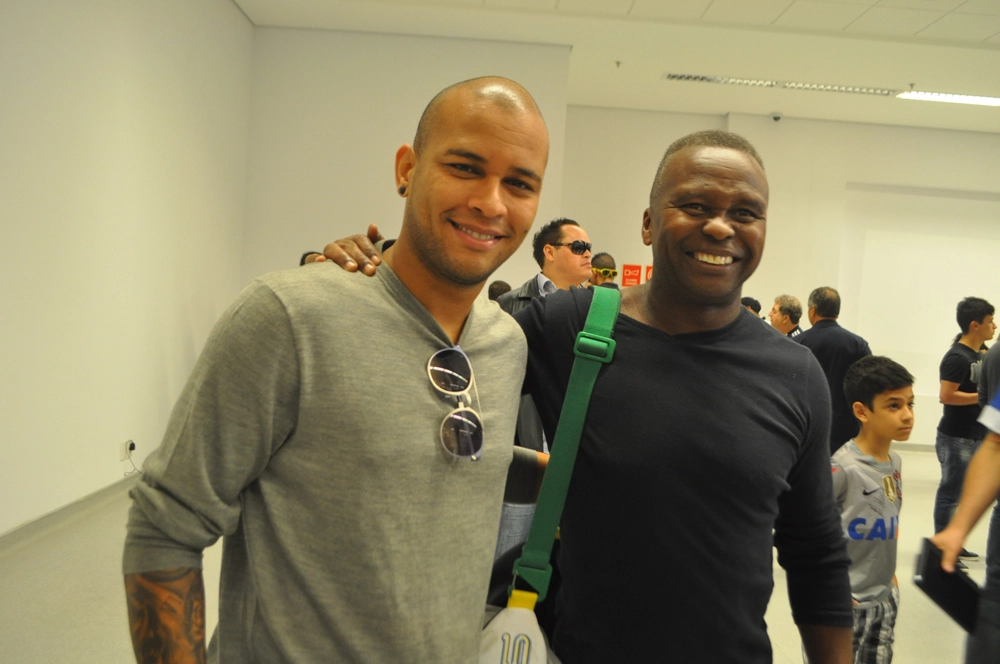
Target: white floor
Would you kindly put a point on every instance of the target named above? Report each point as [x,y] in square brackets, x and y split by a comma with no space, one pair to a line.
[62,599]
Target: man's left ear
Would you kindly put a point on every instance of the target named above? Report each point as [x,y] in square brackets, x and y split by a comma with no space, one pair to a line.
[406,161]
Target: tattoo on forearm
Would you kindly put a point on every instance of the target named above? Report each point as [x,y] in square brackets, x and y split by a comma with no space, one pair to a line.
[166,612]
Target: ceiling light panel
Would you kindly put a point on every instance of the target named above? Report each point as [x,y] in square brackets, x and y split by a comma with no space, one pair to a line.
[685,10]
[963,26]
[826,16]
[843,89]
[745,12]
[951,99]
[987,7]
[893,21]
[934,5]
[523,4]
[602,7]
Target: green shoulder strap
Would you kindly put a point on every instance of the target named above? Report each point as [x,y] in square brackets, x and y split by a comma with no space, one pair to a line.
[594,347]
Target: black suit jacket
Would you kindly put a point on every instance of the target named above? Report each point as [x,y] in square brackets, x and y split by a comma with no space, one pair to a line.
[836,349]
[517,299]
[529,424]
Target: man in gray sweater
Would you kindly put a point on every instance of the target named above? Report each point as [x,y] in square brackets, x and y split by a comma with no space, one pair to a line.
[359,515]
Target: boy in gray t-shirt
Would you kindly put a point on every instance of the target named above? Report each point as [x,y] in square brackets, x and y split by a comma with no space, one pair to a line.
[867,488]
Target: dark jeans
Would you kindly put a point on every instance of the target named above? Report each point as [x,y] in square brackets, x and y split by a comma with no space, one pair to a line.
[954,455]
[984,646]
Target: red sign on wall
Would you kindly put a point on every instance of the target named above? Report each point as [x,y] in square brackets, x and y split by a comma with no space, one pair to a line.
[649,272]
[631,275]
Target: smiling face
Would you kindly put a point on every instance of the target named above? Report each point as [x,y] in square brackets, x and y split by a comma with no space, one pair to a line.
[473,189]
[706,225]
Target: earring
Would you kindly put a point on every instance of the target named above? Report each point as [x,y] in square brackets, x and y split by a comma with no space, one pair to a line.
[402,190]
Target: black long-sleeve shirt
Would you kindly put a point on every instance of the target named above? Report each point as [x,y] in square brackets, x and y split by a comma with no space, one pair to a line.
[696,449]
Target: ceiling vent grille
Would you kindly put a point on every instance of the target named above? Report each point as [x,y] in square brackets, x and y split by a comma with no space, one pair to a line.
[787,85]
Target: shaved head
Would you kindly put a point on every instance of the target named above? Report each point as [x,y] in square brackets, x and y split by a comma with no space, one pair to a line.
[472,180]
[500,92]
[713,138]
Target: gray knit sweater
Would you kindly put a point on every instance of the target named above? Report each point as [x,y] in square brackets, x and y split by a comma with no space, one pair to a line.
[308,436]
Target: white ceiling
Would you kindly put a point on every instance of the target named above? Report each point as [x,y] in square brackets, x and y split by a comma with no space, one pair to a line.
[622,48]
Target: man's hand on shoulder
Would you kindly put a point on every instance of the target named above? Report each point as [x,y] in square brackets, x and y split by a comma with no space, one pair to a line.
[355,251]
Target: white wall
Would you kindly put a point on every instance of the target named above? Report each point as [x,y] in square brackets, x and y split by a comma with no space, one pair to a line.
[838,190]
[156,156]
[904,222]
[330,110]
[913,254]
[611,157]
[123,128]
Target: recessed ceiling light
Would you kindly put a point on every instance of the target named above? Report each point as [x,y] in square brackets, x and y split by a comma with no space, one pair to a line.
[849,89]
[953,99]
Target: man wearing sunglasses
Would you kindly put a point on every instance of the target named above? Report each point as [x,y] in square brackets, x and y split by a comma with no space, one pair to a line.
[705,445]
[562,250]
[603,270]
[359,511]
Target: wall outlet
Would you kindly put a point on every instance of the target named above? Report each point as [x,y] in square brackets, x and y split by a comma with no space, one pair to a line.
[126,447]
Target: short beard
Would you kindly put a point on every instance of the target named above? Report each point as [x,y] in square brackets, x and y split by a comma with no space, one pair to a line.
[439,263]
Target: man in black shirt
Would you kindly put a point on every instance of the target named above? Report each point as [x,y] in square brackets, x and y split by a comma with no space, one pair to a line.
[836,349]
[706,432]
[958,432]
[705,444]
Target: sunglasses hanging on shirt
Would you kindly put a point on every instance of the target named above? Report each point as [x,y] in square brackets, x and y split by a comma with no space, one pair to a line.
[462,429]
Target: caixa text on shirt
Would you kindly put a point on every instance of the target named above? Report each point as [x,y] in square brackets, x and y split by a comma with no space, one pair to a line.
[858,529]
